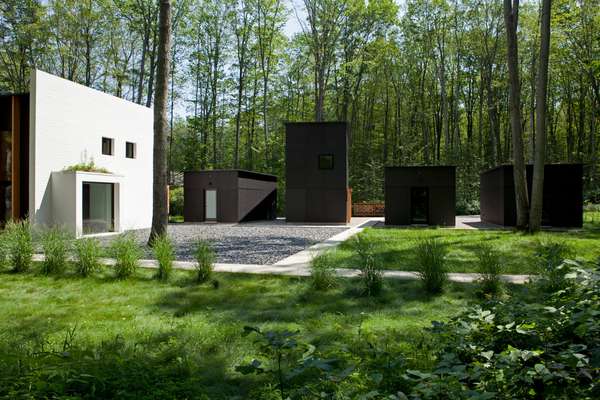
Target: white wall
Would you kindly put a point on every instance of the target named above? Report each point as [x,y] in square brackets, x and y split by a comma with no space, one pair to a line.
[67,123]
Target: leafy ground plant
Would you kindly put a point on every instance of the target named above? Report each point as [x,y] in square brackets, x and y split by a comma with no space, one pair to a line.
[127,253]
[205,259]
[431,264]
[322,271]
[490,268]
[19,245]
[87,254]
[371,274]
[56,245]
[165,254]
[550,256]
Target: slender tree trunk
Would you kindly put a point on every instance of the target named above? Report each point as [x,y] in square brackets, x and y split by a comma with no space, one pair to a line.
[511,20]
[160,216]
[537,188]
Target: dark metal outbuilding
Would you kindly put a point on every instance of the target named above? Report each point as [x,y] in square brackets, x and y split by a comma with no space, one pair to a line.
[420,195]
[563,195]
[228,196]
[316,171]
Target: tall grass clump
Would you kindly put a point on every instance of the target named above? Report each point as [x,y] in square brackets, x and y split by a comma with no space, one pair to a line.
[126,252]
[165,254]
[489,268]
[56,244]
[3,250]
[550,256]
[205,258]
[431,264]
[371,274]
[18,245]
[87,256]
[322,271]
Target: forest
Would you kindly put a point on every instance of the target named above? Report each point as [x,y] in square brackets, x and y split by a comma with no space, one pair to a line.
[421,82]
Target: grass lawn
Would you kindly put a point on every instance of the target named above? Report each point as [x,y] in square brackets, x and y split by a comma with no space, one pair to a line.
[165,323]
[395,247]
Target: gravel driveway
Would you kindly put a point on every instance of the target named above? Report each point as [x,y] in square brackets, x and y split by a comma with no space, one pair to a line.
[251,243]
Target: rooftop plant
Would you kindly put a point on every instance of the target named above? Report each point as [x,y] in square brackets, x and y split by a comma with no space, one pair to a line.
[88,166]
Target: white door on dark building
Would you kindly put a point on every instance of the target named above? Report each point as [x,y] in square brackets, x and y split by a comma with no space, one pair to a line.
[211,205]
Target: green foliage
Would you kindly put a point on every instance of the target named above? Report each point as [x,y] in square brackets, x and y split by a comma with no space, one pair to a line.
[89,166]
[19,245]
[322,271]
[490,268]
[467,207]
[550,256]
[56,244]
[294,365]
[87,254]
[205,258]
[126,252]
[176,200]
[3,250]
[165,254]
[431,264]
[514,349]
[371,274]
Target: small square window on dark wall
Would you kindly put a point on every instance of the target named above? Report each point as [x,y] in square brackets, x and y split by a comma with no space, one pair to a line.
[107,146]
[325,161]
[130,150]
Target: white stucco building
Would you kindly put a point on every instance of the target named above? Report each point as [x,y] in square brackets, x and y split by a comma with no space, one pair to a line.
[60,124]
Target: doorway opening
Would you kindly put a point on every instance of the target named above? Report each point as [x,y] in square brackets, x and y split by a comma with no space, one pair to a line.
[98,207]
[419,205]
[210,205]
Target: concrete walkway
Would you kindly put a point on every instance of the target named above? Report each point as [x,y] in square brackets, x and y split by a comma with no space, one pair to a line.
[299,263]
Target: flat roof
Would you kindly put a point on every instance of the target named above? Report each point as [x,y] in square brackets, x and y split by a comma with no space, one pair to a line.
[502,166]
[242,173]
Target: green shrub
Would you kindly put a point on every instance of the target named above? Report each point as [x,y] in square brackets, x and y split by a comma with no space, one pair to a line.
[19,245]
[56,245]
[165,254]
[176,200]
[371,274]
[489,268]
[322,271]
[3,250]
[126,252]
[431,268]
[87,254]
[205,258]
[550,256]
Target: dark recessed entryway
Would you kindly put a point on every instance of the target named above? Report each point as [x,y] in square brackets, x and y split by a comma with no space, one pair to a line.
[420,195]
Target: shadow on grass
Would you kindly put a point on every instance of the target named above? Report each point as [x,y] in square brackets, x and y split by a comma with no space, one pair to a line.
[263,299]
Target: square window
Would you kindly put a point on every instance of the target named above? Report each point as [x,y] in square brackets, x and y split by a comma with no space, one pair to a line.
[107,146]
[130,150]
[325,161]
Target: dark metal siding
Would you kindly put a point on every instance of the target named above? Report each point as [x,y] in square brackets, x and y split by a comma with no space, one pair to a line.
[313,194]
[563,195]
[237,197]
[441,183]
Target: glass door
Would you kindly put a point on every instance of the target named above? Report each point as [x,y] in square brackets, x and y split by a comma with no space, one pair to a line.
[211,205]
[419,205]
[98,207]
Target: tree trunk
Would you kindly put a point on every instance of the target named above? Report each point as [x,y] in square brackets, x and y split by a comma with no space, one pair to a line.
[160,216]
[511,20]
[537,188]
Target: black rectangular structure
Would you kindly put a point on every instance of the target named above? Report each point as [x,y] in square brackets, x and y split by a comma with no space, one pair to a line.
[563,195]
[420,195]
[316,171]
[228,196]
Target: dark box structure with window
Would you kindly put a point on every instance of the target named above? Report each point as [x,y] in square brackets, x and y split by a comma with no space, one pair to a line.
[316,172]
[228,196]
[420,195]
[562,202]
